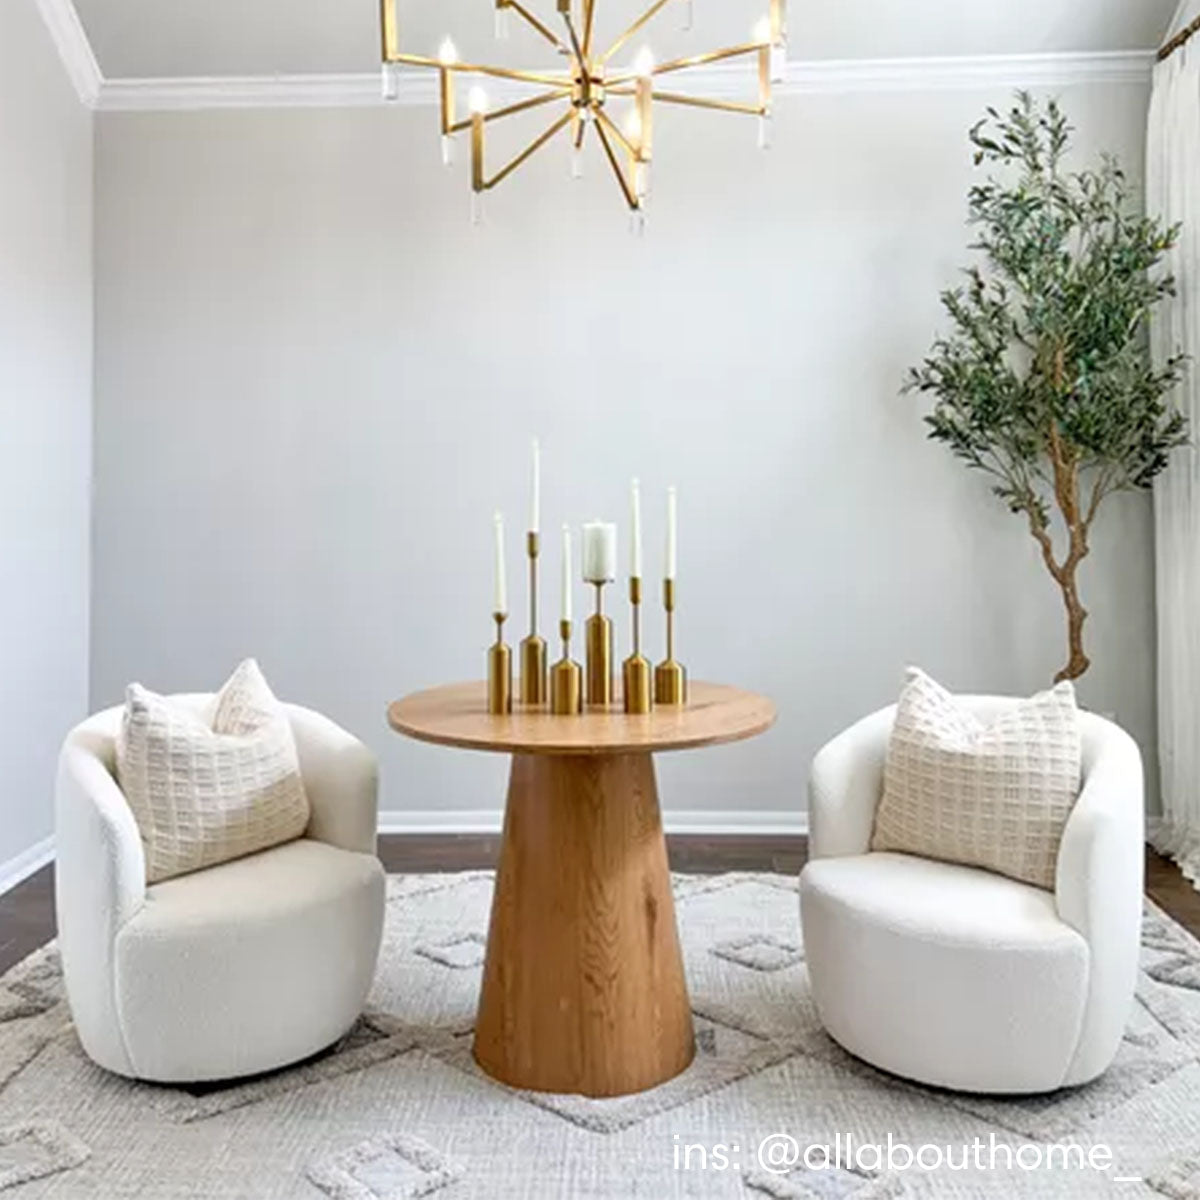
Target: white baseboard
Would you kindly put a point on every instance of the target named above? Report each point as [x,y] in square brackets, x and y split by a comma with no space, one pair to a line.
[717,823]
[23,865]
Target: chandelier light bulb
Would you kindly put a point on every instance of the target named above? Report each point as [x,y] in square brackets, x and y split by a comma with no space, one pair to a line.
[633,126]
[762,31]
[391,82]
[477,100]
[641,182]
[687,14]
[764,132]
[447,53]
[644,63]
[501,26]
[576,162]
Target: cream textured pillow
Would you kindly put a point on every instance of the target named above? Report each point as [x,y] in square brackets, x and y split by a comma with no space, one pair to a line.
[995,796]
[204,792]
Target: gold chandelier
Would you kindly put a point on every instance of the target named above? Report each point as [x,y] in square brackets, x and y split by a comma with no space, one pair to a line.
[585,86]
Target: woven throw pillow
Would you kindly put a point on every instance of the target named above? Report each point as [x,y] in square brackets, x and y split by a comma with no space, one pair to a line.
[204,791]
[994,795]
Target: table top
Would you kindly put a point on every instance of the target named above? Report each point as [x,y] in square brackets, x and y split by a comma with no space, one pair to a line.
[456,715]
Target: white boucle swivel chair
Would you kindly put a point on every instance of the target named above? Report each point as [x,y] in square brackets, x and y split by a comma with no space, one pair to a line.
[959,977]
[228,971]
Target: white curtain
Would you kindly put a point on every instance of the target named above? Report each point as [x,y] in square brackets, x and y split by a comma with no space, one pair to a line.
[1173,192]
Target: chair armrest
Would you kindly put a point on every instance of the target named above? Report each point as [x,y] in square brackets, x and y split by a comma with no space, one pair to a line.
[99,884]
[341,779]
[1099,881]
[844,787]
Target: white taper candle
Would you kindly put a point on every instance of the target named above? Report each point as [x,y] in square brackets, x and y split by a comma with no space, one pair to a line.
[566,573]
[672,534]
[635,534]
[535,496]
[500,604]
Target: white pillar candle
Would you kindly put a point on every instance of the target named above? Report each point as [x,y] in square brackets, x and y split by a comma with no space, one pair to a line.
[599,552]
[535,495]
[500,599]
[672,534]
[566,573]
[635,534]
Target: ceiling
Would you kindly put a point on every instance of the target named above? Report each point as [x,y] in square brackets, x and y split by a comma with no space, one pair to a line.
[171,38]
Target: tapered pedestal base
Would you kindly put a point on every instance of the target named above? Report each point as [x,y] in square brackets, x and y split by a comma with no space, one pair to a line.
[583,987]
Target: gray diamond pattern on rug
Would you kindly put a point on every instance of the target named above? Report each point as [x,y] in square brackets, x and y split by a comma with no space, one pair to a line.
[390,1167]
[760,952]
[723,1055]
[460,953]
[36,1149]
[836,1183]
[371,1041]
[399,1106]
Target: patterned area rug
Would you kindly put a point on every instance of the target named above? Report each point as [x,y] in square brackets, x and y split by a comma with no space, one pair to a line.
[770,1107]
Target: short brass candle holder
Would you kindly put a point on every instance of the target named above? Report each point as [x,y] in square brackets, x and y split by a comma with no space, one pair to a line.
[670,677]
[499,671]
[635,673]
[566,679]
[598,638]
[533,648]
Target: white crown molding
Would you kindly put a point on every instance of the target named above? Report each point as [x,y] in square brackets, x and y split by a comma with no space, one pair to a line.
[22,865]
[732,823]
[819,77]
[73,48]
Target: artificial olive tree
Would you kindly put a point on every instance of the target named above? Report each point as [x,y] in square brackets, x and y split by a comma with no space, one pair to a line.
[1045,379]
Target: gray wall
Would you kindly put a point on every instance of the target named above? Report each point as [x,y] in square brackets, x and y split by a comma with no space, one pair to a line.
[45,418]
[315,381]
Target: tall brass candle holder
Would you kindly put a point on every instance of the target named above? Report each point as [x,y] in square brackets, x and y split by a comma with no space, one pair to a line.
[533,648]
[670,677]
[499,671]
[566,679]
[636,670]
[598,638]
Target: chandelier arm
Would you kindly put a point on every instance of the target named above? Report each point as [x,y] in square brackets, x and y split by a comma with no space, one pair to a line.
[647,16]
[537,143]
[521,106]
[530,19]
[696,60]
[732,106]
[580,57]
[555,81]
[389,30]
[589,17]
[630,198]
[616,131]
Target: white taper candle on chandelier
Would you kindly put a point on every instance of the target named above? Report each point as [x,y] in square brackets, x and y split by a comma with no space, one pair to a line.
[672,534]
[599,552]
[500,598]
[635,530]
[535,486]
[566,573]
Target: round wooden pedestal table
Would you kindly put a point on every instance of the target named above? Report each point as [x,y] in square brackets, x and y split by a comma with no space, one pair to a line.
[583,988]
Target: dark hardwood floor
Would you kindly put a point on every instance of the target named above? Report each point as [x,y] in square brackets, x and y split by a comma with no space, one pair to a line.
[27,912]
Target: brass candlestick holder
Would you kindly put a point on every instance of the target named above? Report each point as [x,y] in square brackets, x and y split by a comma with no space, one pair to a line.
[533,648]
[499,671]
[670,677]
[566,679]
[635,673]
[598,637]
